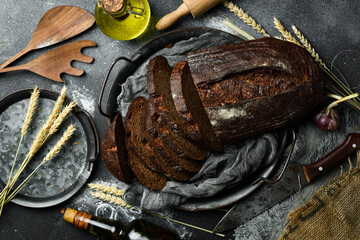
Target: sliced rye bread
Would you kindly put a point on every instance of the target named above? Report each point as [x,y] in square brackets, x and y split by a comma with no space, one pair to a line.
[114,152]
[143,173]
[158,82]
[134,135]
[134,121]
[147,177]
[171,167]
[189,105]
[165,146]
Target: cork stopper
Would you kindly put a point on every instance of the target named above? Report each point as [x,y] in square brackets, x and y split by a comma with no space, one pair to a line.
[69,215]
[113,6]
[78,218]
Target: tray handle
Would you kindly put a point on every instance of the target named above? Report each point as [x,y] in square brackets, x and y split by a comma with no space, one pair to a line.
[96,137]
[105,82]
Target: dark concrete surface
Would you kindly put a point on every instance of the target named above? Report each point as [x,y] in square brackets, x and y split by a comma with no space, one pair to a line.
[333,28]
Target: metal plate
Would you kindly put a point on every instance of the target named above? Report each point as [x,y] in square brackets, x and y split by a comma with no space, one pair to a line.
[128,68]
[61,177]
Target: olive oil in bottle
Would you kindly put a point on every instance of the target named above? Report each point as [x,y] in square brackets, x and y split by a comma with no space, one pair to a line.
[122,19]
[109,229]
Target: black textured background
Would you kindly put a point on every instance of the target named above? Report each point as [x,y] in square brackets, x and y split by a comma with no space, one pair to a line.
[333,28]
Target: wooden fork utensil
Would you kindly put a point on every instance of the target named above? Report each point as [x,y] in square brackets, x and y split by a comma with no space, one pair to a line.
[56,25]
[57,61]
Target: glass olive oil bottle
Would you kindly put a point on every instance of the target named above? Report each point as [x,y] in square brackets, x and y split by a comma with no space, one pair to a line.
[122,19]
[109,229]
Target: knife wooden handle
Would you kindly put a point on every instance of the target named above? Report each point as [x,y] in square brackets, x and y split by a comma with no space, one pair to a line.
[350,145]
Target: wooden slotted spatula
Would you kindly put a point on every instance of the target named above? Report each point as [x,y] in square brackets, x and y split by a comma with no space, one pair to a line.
[57,61]
[56,25]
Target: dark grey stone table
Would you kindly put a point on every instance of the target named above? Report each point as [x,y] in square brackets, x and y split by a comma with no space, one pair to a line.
[333,28]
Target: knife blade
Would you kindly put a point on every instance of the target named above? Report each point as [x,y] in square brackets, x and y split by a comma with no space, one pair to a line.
[294,176]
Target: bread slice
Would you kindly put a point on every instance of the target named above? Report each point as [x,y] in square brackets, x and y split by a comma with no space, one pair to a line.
[144,149]
[165,146]
[142,171]
[158,82]
[113,151]
[189,105]
[135,135]
[172,168]
[146,176]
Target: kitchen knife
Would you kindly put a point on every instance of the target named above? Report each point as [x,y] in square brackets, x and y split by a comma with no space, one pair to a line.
[294,176]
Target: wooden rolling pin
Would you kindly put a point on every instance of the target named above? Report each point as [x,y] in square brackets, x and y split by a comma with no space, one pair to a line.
[195,7]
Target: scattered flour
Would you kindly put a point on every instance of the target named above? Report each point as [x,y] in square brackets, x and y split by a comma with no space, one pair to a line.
[83,97]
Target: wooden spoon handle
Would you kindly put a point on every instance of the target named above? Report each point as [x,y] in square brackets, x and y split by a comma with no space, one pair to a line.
[16,56]
[15,68]
[172,17]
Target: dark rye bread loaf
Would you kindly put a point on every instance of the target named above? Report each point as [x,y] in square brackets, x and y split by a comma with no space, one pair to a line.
[143,173]
[189,106]
[114,152]
[158,83]
[164,145]
[248,88]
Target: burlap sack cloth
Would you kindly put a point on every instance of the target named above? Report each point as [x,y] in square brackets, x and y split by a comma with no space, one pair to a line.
[331,213]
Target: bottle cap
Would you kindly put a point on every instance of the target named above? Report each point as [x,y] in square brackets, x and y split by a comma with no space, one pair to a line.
[113,6]
[69,215]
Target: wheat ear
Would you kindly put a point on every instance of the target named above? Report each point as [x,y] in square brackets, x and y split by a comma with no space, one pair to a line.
[40,138]
[106,189]
[119,201]
[245,17]
[28,117]
[111,199]
[64,138]
[59,120]
[288,36]
[308,47]
[51,154]
[30,111]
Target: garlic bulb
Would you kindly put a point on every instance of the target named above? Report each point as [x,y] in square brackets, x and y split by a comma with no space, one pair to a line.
[327,119]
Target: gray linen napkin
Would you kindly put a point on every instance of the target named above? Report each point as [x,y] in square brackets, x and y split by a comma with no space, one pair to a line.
[220,170]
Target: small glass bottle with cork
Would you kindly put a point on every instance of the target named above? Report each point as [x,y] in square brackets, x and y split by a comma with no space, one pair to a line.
[122,19]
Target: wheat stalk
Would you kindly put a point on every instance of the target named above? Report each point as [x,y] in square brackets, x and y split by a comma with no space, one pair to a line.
[28,117]
[288,36]
[51,154]
[59,120]
[41,137]
[108,197]
[112,199]
[56,149]
[308,47]
[106,189]
[31,109]
[245,17]
[344,86]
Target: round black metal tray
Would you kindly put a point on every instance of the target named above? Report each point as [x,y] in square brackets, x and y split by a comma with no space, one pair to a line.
[128,68]
[61,177]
